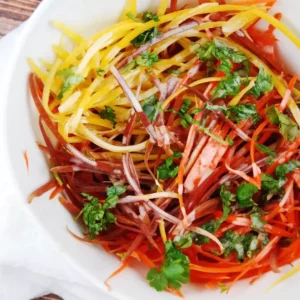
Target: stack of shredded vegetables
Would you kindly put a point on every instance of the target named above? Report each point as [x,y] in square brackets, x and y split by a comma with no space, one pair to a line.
[173,137]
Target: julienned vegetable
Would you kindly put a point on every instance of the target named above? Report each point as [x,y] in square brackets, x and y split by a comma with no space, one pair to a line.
[176,145]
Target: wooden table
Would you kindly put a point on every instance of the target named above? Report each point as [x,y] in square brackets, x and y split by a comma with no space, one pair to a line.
[14,12]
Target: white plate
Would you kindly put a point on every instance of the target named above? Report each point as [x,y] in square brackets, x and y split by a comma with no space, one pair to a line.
[21,133]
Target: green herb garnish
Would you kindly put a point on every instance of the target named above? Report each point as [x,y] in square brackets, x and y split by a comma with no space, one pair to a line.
[168,169]
[288,128]
[244,194]
[109,114]
[147,59]
[145,37]
[173,272]
[148,16]
[95,215]
[69,79]
[263,84]
[151,107]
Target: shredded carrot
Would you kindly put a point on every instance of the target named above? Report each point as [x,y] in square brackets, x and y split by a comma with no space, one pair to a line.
[25,155]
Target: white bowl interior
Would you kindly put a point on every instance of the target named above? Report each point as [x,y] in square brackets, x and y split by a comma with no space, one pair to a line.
[22,132]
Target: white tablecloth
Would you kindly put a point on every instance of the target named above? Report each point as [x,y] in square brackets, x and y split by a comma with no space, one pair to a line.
[30,264]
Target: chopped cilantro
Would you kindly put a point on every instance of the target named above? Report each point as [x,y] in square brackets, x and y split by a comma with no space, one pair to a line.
[288,128]
[211,226]
[168,169]
[227,197]
[257,223]
[131,16]
[100,72]
[95,215]
[284,169]
[244,112]
[229,141]
[173,272]
[175,72]
[145,37]
[243,245]
[244,194]
[148,16]
[184,242]
[238,112]
[271,185]
[263,83]
[230,86]
[151,107]
[147,59]
[108,114]
[216,51]
[69,79]
[266,150]
[224,288]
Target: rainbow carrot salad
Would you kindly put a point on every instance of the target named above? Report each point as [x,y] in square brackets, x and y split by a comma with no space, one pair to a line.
[173,138]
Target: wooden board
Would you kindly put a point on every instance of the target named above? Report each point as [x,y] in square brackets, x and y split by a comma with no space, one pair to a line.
[14,12]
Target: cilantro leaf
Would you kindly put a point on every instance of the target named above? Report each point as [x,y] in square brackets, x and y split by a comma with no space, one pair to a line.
[211,226]
[173,272]
[157,280]
[108,114]
[206,52]
[244,112]
[69,79]
[216,51]
[151,107]
[284,169]
[244,194]
[238,57]
[238,112]
[95,215]
[288,128]
[148,16]
[266,150]
[145,37]
[175,72]
[257,223]
[227,197]
[271,185]
[184,242]
[100,72]
[168,169]
[230,141]
[230,86]
[241,244]
[225,66]
[263,83]
[224,288]
[147,59]
[132,16]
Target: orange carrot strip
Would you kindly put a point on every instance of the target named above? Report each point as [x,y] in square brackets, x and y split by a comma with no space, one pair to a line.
[42,190]
[57,190]
[26,160]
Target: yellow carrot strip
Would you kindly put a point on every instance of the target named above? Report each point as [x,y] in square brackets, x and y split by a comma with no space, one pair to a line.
[162,7]
[37,70]
[68,32]
[235,101]
[162,230]
[60,52]
[206,8]
[286,276]
[85,132]
[47,88]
